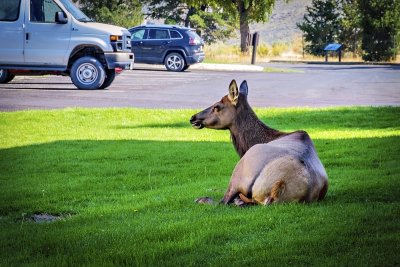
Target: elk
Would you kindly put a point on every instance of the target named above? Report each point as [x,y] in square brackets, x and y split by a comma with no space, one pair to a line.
[274,166]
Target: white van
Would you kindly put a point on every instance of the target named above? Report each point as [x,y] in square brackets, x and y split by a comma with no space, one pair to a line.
[55,37]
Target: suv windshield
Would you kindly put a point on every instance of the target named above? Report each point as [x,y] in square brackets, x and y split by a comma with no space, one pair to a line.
[75,12]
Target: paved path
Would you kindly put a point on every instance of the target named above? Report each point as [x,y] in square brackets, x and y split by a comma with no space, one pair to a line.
[152,87]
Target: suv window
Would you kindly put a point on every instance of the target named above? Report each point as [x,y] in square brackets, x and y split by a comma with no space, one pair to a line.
[175,35]
[194,37]
[158,34]
[9,10]
[43,11]
[138,34]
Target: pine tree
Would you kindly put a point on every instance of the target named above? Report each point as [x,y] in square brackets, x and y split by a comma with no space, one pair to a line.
[350,28]
[320,25]
[380,22]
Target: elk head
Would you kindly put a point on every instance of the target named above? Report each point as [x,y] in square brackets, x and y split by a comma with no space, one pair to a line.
[222,114]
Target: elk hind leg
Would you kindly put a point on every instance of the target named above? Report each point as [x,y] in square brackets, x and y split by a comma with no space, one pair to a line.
[282,180]
[278,188]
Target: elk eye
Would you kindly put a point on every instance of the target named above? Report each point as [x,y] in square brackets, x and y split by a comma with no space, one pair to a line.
[217,108]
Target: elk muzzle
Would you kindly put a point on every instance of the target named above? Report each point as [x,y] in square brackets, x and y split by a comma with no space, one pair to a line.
[196,123]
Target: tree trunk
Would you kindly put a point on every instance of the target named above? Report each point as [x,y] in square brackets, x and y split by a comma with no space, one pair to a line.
[190,13]
[244,33]
[244,29]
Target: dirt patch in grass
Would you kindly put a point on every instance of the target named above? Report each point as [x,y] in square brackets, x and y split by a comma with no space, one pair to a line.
[45,217]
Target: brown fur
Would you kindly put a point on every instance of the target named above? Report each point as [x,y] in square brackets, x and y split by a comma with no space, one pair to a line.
[274,166]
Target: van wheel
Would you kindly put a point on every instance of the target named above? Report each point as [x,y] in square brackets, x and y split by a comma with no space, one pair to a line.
[174,62]
[87,73]
[5,76]
[110,76]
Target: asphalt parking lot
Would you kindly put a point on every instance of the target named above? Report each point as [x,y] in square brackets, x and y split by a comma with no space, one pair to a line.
[150,86]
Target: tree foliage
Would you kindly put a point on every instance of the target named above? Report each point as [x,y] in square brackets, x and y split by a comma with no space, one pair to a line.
[380,22]
[350,31]
[248,11]
[215,18]
[206,17]
[370,28]
[125,13]
[320,25]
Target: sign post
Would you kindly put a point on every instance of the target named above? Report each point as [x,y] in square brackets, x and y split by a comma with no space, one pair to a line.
[254,42]
[334,48]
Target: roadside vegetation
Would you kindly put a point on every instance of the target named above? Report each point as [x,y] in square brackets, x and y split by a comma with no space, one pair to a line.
[293,52]
[116,187]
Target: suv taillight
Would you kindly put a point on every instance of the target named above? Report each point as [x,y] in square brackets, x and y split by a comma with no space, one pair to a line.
[193,41]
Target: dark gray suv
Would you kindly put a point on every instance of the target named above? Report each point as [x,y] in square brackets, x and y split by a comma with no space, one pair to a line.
[174,46]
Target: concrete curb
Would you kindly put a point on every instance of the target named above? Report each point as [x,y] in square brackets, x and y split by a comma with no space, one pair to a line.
[334,62]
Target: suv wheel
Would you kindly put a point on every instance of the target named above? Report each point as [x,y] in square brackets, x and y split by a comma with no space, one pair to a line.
[87,73]
[174,62]
[5,76]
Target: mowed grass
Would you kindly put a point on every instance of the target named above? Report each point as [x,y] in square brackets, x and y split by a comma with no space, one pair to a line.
[124,183]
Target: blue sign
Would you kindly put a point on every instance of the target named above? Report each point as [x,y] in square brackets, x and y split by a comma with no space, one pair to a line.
[332,47]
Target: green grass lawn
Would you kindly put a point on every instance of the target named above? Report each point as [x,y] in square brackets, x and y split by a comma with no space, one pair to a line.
[124,183]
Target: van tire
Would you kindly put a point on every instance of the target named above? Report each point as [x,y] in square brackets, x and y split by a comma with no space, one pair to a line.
[5,76]
[110,76]
[87,73]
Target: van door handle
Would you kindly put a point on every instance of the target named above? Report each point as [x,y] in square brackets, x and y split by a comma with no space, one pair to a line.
[27,36]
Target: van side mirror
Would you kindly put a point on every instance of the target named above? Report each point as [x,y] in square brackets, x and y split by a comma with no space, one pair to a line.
[61,18]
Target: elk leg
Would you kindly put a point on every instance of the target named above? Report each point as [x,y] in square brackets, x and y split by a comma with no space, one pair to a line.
[245,199]
[229,196]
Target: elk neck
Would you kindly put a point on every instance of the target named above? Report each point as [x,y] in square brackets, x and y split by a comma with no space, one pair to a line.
[247,130]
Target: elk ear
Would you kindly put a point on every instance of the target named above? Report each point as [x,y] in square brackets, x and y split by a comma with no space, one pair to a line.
[244,89]
[233,92]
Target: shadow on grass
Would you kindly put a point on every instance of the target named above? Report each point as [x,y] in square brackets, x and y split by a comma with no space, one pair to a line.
[359,170]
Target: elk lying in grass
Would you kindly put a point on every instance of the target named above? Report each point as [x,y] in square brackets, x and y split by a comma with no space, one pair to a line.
[274,166]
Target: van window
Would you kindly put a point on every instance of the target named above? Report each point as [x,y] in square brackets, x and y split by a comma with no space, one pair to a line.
[158,34]
[74,11]
[43,11]
[9,10]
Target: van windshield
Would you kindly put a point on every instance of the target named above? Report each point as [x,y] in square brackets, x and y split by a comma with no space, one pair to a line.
[75,12]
